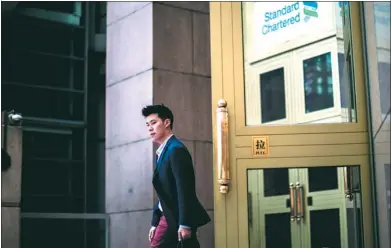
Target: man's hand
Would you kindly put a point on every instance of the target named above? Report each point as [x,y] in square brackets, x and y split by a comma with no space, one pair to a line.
[184,233]
[152,233]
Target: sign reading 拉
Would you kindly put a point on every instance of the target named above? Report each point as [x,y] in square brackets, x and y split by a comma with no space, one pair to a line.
[260,146]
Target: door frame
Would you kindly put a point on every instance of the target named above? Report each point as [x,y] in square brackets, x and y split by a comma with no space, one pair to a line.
[334,144]
[310,162]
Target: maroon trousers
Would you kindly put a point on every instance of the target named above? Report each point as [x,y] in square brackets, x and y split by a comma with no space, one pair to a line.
[159,240]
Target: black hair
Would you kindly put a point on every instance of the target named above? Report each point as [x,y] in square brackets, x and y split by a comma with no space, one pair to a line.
[162,112]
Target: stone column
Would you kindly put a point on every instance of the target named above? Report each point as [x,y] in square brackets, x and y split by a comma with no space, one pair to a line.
[181,80]
[156,53]
[129,160]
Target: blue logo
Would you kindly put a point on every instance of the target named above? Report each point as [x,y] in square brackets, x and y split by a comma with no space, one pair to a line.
[345,5]
[310,10]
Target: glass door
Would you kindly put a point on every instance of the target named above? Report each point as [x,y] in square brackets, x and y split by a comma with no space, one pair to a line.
[270,208]
[325,219]
[290,126]
[303,207]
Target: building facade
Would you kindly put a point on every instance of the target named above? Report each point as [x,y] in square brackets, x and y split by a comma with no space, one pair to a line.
[311,80]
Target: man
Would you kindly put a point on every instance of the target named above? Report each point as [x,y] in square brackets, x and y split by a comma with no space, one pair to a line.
[178,213]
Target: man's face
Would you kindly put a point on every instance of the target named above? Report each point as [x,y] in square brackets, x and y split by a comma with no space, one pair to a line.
[157,128]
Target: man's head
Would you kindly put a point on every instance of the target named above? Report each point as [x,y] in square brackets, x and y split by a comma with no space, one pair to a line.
[159,120]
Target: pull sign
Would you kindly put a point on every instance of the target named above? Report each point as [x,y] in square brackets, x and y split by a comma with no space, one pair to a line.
[261,146]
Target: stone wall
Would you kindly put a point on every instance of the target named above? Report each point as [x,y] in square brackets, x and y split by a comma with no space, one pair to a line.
[156,53]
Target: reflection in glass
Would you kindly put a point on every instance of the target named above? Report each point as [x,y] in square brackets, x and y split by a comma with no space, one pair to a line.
[278,223]
[325,228]
[322,178]
[329,218]
[275,182]
[354,208]
[384,85]
[296,73]
[377,41]
[272,95]
[318,83]
[343,91]
[387,171]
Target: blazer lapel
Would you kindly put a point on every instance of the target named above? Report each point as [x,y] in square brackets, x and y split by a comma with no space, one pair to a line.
[163,154]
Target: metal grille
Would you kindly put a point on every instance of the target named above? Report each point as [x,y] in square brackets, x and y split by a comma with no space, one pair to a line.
[45,75]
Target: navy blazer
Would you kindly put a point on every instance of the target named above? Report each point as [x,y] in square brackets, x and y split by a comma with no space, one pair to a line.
[174,183]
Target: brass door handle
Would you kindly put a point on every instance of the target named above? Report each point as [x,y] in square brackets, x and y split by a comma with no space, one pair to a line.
[299,202]
[348,182]
[222,146]
[292,196]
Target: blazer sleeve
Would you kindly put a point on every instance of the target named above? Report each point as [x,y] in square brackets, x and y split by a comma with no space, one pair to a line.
[156,214]
[183,171]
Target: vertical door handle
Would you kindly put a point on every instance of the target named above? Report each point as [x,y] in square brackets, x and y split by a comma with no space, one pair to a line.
[348,182]
[292,196]
[299,203]
[222,146]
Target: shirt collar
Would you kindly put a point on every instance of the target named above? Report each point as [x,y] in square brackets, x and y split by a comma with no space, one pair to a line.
[161,147]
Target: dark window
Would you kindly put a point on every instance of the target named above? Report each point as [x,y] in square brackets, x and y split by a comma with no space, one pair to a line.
[273,95]
[318,83]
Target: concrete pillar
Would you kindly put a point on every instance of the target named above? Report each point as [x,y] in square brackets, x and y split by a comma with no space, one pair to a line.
[156,53]
[129,162]
[11,188]
[181,80]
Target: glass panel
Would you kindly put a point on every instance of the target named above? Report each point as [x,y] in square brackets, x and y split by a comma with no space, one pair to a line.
[62,190]
[276,182]
[346,92]
[318,83]
[322,178]
[377,42]
[354,210]
[334,208]
[278,223]
[57,233]
[272,95]
[67,7]
[384,85]
[311,87]
[325,228]
[268,207]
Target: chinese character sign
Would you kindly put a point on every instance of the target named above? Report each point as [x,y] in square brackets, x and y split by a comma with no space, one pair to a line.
[260,146]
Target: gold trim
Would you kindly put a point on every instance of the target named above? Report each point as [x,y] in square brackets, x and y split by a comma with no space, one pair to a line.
[220,216]
[308,139]
[308,151]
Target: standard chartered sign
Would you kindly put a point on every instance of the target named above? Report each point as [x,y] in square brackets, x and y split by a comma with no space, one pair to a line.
[273,27]
[289,15]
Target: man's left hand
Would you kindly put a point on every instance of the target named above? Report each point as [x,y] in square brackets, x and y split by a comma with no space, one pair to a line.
[184,233]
